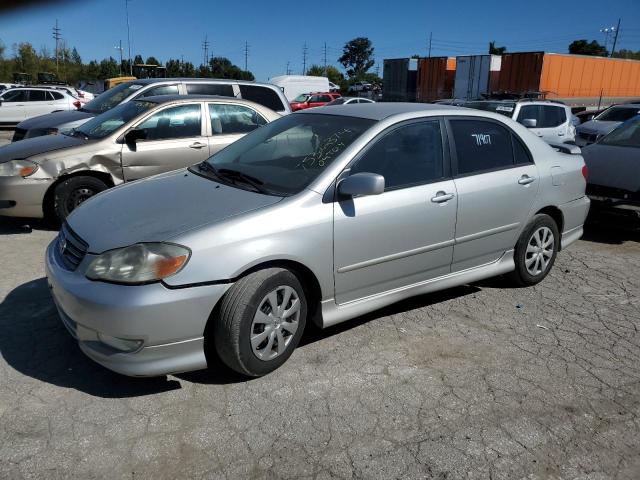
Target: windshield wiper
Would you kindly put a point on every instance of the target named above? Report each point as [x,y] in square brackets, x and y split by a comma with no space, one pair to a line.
[242,177]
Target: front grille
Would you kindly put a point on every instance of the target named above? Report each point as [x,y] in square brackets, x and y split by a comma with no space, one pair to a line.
[71,248]
[18,134]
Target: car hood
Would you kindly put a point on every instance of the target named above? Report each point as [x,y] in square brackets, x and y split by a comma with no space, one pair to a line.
[159,208]
[614,167]
[55,119]
[37,145]
[596,126]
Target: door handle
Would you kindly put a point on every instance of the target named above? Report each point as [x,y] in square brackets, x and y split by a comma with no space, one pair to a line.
[442,197]
[197,145]
[526,180]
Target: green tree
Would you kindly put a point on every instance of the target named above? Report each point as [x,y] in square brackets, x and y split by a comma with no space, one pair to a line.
[188,69]
[357,57]
[624,53]
[493,50]
[583,47]
[75,57]
[153,61]
[332,73]
[109,68]
[138,59]
[174,68]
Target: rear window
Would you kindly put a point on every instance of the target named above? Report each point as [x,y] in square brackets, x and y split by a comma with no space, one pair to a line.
[262,95]
[56,95]
[210,89]
[503,108]
[112,97]
[37,96]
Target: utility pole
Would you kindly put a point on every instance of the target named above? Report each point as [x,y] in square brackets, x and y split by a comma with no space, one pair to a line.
[205,49]
[430,37]
[304,59]
[119,47]
[246,55]
[126,8]
[378,70]
[325,58]
[56,36]
[615,39]
[288,69]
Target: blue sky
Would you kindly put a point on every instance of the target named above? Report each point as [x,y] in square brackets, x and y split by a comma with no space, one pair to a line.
[276,31]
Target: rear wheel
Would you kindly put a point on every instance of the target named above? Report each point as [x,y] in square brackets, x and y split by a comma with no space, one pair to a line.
[261,320]
[72,192]
[536,251]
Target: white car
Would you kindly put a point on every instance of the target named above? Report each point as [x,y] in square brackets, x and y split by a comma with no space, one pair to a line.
[360,87]
[551,121]
[349,100]
[18,104]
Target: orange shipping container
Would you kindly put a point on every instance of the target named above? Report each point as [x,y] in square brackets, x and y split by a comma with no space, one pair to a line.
[567,76]
[435,78]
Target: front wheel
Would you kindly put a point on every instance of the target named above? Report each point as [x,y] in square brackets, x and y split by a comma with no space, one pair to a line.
[261,320]
[72,192]
[536,251]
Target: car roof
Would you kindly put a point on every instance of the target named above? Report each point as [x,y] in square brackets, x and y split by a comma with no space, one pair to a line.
[149,81]
[380,111]
[195,98]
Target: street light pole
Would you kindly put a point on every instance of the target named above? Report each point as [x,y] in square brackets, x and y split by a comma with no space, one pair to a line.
[126,8]
[119,47]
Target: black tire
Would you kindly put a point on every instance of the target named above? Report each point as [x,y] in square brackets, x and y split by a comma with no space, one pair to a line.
[233,329]
[521,275]
[70,193]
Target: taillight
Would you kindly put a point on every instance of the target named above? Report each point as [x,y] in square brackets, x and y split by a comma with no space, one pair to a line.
[585,173]
[77,104]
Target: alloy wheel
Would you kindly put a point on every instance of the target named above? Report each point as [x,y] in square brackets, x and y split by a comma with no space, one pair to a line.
[539,251]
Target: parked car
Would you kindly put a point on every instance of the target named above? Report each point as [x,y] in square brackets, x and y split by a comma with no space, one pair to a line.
[349,101]
[334,88]
[50,176]
[360,87]
[587,115]
[262,93]
[589,132]
[18,104]
[320,216]
[614,170]
[551,121]
[6,86]
[311,100]
[295,85]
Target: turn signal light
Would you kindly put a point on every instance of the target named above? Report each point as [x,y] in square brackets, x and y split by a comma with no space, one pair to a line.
[77,104]
[585,172]
[26,171]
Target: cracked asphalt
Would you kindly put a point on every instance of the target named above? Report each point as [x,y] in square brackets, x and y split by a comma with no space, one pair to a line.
[477,382]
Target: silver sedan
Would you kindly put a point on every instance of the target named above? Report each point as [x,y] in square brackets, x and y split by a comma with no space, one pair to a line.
[320,216]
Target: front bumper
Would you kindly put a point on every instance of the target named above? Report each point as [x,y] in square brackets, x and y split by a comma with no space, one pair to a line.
[169,322]
[23,197]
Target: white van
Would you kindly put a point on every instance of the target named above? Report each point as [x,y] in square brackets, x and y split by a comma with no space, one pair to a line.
[294,85]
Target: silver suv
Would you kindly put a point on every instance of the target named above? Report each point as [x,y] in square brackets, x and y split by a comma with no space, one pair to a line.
[549,120]
[262,93]
[320,216]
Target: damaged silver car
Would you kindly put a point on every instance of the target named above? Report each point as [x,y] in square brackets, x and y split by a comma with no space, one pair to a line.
[50,176]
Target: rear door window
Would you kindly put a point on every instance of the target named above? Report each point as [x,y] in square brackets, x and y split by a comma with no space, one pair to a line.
[56,95]
[262,95]
[481,146]
[37,96]
[210,89]
[231,119]
[15,96]
[182,121]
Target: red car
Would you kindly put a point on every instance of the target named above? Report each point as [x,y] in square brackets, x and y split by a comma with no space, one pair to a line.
[309,100]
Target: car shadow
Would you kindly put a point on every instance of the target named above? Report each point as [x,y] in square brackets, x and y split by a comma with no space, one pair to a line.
[610,228]
[15,226]
[34,342]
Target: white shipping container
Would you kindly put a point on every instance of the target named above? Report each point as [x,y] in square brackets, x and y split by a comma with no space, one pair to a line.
[294,85]
[473,75]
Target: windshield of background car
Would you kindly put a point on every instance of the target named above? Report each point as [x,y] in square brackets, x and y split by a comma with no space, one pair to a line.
[337,101]
[108,122]
[301,98]
[288,154]
[111,97]
[626,135]
[504,108]
[618,114]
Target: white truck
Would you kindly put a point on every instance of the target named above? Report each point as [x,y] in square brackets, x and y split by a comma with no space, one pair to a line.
[295,85]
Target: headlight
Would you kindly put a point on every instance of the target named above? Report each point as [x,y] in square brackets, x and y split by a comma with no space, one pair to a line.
[139,263]
[18,168]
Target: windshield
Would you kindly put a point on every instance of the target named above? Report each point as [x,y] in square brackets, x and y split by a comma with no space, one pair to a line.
[626,135]
[285,156]
[301,98]
[337,101]
[618,114]
[108,122]
[504,108]
[111,97]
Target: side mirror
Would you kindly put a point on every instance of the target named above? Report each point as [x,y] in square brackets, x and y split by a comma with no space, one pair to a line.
[132,136]
[529,122]
[362,184]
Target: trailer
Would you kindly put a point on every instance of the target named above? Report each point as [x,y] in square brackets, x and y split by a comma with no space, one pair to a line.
[435,78]
[476,76]
[399,80]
